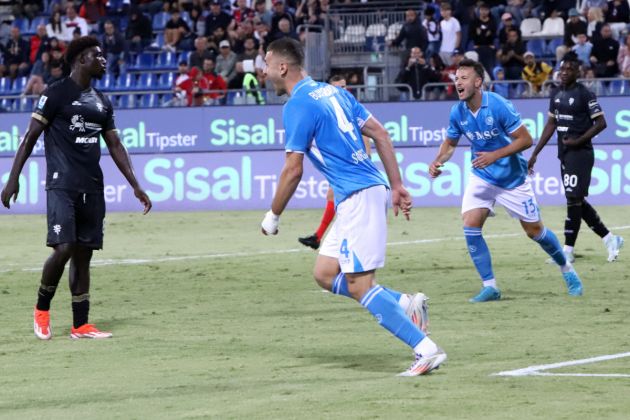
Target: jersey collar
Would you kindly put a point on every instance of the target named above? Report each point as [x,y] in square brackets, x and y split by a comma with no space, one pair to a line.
[301,83]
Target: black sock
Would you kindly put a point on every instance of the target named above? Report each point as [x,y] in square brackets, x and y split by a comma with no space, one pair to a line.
[590,216]
[80,310]
[572,224]
[44,296]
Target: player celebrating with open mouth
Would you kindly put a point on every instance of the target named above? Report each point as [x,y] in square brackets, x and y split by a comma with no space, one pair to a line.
[499,175]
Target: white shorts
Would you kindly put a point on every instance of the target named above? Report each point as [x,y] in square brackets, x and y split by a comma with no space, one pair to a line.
[520,202]
[358,237]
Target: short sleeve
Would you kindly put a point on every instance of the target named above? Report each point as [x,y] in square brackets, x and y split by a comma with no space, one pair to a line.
[47,106]
[299,126]
[510,119]
[594,108]
[552,106]
[109,123]
[454,131]
[359,112]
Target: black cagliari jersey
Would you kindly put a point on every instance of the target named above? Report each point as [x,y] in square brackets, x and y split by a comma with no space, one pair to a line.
[574,110]
[75,120]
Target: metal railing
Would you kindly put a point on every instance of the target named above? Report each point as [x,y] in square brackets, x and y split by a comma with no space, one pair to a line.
[316,50]
[602,86]
[364,32]
[514,89]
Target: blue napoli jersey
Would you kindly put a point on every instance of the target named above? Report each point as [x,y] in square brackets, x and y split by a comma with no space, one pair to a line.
[490,130]
[324,122]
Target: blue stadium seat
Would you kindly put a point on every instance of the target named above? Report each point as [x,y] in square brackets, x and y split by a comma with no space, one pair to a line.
[159,39]
[126,101]
[166,80]
[126,82]
[537,46]
[106,83]
[25,104]
[149,101]
[165,98]
[618,88]
[147,81]
[159,21]
[7,104]
[144,61]
[184,56]
[5,85]
[23,24]
[19,84]
[553,44]
[39,20]
[167,61]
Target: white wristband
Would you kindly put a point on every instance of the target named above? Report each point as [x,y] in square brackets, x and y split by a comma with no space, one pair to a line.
[270,223]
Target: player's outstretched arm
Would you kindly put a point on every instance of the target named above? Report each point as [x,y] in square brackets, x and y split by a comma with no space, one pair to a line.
[12,187]
[447,148]
[401,199]
[289,179]
[550,128]
[120,156]
[521,140]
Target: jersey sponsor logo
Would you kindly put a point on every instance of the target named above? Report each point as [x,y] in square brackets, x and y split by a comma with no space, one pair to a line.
[86,140]
[571,100]
[483,135]
[42,102]
[359,156]
[77,123]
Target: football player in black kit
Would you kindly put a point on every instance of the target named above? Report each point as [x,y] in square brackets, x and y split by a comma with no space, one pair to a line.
[73,116]
[577,117]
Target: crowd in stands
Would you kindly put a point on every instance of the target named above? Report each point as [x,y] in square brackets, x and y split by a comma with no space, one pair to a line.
[499,34]
[204,47]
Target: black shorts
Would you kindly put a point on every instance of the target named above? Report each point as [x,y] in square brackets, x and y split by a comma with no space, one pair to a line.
[576,167]
[75,217]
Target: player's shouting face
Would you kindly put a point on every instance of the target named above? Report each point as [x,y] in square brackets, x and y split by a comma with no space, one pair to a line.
[467,82]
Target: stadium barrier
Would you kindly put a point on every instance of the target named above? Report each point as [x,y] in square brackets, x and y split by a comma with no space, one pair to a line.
[180,157]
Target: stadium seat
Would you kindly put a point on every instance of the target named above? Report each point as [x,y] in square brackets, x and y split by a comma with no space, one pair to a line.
[149,101]
[530,26]
[144,61]
[184,56]
[25,104]
[126,82]
[166,80]
[537,46]
[23,24]
[392,31]
[5,85]
[553,26]
[106,82]
[39,20]
[355,34]
[552,45]
[19,84]
[618,88]
[159,39]
[147,81]
[7,104]
[165,98]
[159,21]
[166,61]
[126,101]
[376,29]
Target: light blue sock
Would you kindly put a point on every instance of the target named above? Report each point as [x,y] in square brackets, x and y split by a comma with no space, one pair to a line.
[549,242]
[391,316]
[340,287]
[479,252]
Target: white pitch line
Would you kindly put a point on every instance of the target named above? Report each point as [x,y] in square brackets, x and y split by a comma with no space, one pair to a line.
[538,369]
[136,261]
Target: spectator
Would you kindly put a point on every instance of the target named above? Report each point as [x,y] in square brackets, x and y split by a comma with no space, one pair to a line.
[434,34]
[197,22]
[618,15]
[72,22]
[574,26]
[215,83]
[623,58]
[498,75]
[592,83]
[30,8]
[285,30]
[260,7]
[152,7]
[200,53]
[412,33]
[217,18]
[16,52]
[195,87]
[451,33]
[36,84]
[448,74]
[589,4]
[175,31]
[250,82]
[483,32]
[54,28]
[179,86]
[279,13]
[595,22]
[308,13]
[417,73]
[604,54]
[39,43]
[93,11]
[250,50]
[114,49]
[535,73]
[55,73]
[511,56]
[261,32]
[508,24]
[583,49]
[241,13]
[226,61]
[562,6]
[238,36]
[139,31]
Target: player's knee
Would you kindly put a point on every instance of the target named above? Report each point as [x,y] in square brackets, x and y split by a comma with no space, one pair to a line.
[82,255]
[323,278]
[63,252]
[533,230]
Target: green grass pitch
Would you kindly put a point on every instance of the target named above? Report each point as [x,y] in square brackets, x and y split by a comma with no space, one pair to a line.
[213,320]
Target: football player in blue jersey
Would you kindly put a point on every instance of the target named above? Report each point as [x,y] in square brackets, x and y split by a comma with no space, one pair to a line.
[499,175]
[325,123]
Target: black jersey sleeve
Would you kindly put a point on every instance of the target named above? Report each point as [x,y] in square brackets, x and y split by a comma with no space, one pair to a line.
[48,104]
[594,108]
[109,123]
[552,105]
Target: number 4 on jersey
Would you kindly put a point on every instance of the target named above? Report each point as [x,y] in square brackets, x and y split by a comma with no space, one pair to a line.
[344,125]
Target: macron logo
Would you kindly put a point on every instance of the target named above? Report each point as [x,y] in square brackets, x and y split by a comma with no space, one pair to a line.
[57,229]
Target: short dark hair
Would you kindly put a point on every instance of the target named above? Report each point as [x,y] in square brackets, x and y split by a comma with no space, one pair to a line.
[289,48]
[336,78]
[475,65]
[79,45]
[571,58]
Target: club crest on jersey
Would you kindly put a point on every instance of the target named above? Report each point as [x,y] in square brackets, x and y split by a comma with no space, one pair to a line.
[489,120]
[571,100]
[99,106]
[76,103]
[42,102]
[77,123]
